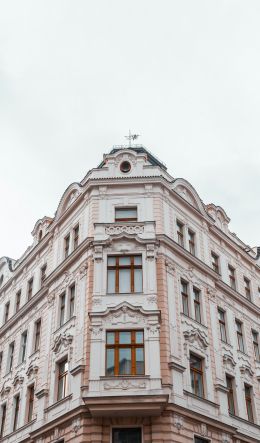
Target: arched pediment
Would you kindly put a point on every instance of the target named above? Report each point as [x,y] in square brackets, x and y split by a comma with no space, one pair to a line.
[188,193]
[40,228]
[69,196]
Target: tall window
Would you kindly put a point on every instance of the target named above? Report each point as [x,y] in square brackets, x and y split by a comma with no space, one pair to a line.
[62,379]
[255,337]
[215,262]
[248,400]
[196,374]
[125,214]
[197,310]
[10,359]
[240,338]
[3,417]
[16,411]
[71,300]
[37,335]
[185,297]
[17,301]
[180,233]
[23,346]
[230,395]
[124,274]
[62,308]
[30,289]
[30,399]
[222,325]
[66,246]
[191,239]
[232,277]
[247,288]
[201,440]
[43,273]
[76,237]
[7,309]
[125,353]
[1,361]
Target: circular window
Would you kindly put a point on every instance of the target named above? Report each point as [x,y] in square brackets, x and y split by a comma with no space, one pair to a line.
[125,167]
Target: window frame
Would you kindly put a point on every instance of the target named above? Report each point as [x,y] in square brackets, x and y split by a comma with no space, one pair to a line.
[180,233]
[30,289]
[230,394]
[215,262]
[255,340]
[222,325]
[249,403]
[192,241]
[37,335]
[43,273]
[247,287]
[23,346]
[67,245]
[197,303]
[62,309]
[197,372]
[240,336]
[117,346]
[72,312]
[3,419]
[6,312]
[17,400]
[126,219]
[75,236]
[18,300]
[10,357]
[117,267]
[232,277]
[30,402]
[62,377]
[185,297]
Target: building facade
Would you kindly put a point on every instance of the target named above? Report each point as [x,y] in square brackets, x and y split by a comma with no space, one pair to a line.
[134,317]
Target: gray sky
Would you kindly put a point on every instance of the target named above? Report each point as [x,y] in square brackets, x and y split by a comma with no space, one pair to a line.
[76,75]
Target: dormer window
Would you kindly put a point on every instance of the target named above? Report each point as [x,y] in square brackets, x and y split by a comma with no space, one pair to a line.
[125,167]
[125,214]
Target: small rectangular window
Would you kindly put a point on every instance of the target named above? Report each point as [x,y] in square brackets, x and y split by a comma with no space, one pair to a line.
[125,214]
[196,374]
[62,379]
[247,288]
[222,324]
[30,289]
[248,400]
[255,337]
[124,274]
[76,237]
[215,262]
[17,301]
[197,308]
[185,297]
[125,353]
[66,245]
[191,239]
[10,359]
[7,309]
[23,346]
[126,435]
[71,300]
[230,395]
[240,338]
[201,440]
[180,233]
[37,335]
[30,400]
[16,412]
[62,308]
[43,274]
[3,418]
[232,277]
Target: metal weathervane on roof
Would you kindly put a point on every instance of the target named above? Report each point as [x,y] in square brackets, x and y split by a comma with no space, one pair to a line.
[131,137]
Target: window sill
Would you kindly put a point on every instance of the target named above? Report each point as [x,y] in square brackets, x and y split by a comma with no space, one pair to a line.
[193,319]
[243,353]
[203,399]
[116,377]
[244,420]
[57,403]
[64,324]
[123,293]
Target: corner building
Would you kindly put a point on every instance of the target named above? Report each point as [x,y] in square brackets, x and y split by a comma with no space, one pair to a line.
[132,318]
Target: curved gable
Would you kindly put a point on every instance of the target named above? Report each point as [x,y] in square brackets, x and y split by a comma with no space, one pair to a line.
[188,193]
[69,196]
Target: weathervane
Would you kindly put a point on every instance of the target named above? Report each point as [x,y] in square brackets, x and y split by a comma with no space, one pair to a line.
[131,137]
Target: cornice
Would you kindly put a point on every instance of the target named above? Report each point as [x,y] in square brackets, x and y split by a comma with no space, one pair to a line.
[238,297]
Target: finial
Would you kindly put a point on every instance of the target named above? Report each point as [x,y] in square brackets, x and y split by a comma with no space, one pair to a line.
[131,137]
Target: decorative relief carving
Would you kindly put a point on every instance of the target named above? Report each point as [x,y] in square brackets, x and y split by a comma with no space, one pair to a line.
[6,388]
[96,331]
[153,330]
[196,336]
[76,426]
[170,266]
[226,438]
[246,370]
[124,385]
[212,292]
[150,251]
[228,360]
[62,340]
[32,370]
[124,316]
[97,301]
[98,253]
[151,299]
[128,229]
[18,380]
[203,429]
[178,421]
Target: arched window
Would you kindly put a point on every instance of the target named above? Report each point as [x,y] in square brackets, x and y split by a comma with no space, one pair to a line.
[40,235]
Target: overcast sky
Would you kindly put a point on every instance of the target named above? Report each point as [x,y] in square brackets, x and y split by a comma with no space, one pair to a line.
[76,75]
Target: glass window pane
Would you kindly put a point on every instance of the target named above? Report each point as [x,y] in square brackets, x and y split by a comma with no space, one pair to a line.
[138,260]
[125,337]
[124,261]
[110,338]
[60,389]
[124,281]
[139,337]
[125,361]
[111,281]
[138,283]
[111,261]
[139,357]
[126,213]
[110,369]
